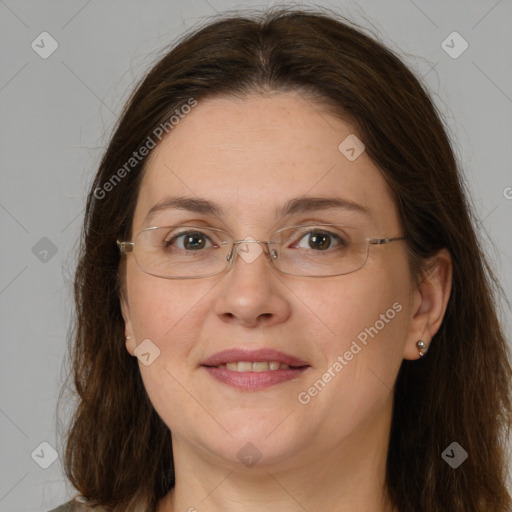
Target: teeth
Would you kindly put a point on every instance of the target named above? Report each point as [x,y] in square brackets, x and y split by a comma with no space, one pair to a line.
[259,366]
[244,367]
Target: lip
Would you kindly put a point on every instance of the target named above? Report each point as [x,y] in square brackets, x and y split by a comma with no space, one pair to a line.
[253,381]
[253,356]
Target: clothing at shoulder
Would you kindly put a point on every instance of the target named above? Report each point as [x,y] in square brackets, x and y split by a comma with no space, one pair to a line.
[67,507]
[75,506]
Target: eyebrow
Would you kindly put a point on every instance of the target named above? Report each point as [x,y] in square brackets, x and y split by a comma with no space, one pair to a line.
[294,206]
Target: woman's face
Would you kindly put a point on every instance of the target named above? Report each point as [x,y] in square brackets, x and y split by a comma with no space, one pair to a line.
[251,157]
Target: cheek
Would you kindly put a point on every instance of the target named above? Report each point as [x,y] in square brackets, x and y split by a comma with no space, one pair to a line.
[362,345]
[160,309]
[155,302]
[362,306]
[166,313]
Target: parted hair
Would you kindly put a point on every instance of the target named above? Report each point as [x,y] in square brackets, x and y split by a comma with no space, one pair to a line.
[118,451]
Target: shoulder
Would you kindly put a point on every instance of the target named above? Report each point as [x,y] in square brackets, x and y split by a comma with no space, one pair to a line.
[75,505]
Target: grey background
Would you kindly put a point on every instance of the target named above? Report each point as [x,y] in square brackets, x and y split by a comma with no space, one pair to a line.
[56,117]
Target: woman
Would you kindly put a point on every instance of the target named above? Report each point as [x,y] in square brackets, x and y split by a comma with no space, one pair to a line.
[281,300]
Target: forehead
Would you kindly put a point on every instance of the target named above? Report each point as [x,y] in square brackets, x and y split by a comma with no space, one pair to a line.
[251,156]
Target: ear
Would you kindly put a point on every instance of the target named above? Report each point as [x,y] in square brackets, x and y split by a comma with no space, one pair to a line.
[130,341]
[429,303]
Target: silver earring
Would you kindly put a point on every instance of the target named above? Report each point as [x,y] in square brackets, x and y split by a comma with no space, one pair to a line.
[128,337]
[422,346]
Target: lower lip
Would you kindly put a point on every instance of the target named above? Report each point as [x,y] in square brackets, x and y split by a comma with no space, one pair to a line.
[251,381]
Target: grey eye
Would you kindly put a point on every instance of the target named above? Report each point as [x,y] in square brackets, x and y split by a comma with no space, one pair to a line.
[188,241]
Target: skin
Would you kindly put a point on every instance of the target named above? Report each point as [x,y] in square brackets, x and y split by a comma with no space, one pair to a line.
[251,155]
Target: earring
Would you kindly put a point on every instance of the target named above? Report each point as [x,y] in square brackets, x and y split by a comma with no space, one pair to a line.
[422,346]
[128,337]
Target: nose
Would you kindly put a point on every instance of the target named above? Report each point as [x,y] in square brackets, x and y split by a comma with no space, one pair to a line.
[252,292]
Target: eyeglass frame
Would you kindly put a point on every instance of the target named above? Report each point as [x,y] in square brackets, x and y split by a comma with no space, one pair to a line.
[126,247]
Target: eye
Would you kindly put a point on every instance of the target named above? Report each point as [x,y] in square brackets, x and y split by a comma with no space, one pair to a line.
[188,241]
[320,240]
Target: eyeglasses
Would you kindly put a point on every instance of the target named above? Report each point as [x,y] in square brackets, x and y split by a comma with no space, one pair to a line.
[192,252]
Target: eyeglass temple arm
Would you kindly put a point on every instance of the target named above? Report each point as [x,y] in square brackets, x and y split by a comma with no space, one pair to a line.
[381,241]
[124,247]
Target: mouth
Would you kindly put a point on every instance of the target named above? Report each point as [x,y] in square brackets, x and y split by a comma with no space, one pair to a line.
[256,366]
[254,370]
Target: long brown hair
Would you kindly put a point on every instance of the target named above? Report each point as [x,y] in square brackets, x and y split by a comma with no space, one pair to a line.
[118,452]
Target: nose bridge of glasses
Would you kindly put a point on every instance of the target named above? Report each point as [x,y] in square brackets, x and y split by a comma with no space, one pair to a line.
[250,253]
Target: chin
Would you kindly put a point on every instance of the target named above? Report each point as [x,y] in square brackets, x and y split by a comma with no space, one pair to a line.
[255,444]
